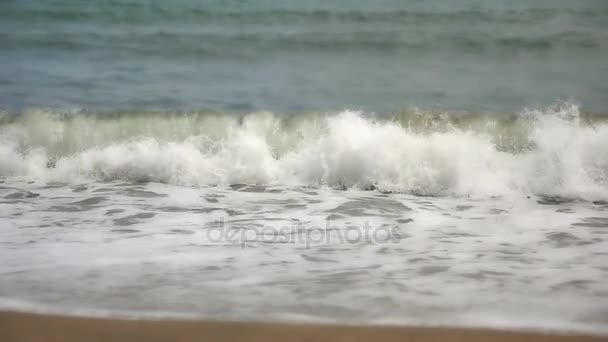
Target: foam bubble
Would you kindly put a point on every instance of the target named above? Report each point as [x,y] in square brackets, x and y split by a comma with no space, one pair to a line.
[553,151]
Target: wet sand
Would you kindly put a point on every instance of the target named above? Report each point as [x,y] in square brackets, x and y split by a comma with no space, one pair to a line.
[16,326]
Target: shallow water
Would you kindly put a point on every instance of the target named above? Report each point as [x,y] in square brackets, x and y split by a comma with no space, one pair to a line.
[318,254]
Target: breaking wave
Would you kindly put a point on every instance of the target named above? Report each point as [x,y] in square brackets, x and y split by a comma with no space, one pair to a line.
[556,151]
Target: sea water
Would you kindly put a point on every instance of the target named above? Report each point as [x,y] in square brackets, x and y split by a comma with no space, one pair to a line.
[389,162]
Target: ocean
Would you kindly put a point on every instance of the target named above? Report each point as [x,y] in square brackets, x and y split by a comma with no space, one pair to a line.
[387,162]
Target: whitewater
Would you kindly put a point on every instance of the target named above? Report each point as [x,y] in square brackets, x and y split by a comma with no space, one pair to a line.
[555,151]
[467,219]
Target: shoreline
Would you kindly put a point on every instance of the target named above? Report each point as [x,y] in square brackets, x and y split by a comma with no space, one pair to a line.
[21,326]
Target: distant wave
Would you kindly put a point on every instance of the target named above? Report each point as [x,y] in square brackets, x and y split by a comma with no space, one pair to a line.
[189,29]
[235,44]
[551,152]
[153,13]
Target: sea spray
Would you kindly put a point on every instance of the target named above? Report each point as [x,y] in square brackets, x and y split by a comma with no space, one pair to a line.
[547,152]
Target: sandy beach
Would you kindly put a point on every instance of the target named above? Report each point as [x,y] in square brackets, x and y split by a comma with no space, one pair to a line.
[17,326]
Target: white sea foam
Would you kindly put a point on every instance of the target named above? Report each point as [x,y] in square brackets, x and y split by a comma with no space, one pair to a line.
[278,253]
[556,153]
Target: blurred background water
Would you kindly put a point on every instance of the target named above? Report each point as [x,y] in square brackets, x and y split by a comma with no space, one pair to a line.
[292,56]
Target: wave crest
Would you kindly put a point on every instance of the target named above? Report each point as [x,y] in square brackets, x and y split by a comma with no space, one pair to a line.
[549,152]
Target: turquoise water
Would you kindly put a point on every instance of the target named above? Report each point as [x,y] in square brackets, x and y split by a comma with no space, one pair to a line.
[293,56]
